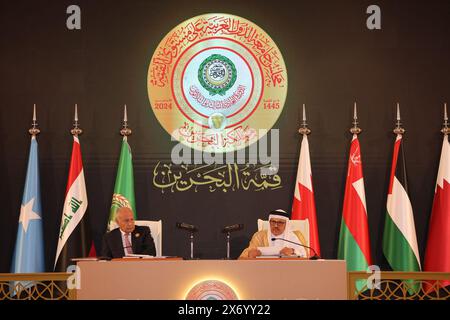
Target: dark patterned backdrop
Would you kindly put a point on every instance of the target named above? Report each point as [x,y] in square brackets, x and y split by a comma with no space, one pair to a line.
[332,60]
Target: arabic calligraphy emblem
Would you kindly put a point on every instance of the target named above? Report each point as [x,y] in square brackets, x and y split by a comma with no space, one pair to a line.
[215,75]
[119,201]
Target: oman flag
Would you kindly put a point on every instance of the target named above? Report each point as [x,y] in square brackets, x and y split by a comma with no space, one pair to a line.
[354,242]
[437,255]
[304,206]
[74,238]
[399,238]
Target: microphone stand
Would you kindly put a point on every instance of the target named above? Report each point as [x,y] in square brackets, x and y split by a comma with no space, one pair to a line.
[228,230]
[191,239]
[191,229]
[228,245]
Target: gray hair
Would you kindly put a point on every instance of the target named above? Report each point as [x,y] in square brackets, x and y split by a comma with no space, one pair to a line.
[121,209]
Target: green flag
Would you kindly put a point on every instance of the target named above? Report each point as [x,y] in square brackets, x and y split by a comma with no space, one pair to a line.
[124,188]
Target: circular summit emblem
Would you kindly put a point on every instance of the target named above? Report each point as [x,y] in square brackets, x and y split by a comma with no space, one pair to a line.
[211,290]
[215,80]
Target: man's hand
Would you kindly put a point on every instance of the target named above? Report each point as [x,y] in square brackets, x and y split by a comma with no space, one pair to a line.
[287,251]
[253,253]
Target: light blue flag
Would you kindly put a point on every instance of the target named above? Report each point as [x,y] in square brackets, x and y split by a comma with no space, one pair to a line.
[29,251]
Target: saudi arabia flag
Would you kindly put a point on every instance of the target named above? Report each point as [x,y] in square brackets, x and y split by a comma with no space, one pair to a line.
[399,239]
[124,188]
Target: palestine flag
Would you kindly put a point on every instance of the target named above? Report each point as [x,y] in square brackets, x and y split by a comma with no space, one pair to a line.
[399,238]
[354,241]
[74,239]
[124,188]
[304,206]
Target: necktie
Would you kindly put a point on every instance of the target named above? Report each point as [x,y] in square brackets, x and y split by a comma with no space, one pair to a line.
[128,248]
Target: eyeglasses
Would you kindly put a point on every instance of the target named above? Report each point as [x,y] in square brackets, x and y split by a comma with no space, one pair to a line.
[275,222]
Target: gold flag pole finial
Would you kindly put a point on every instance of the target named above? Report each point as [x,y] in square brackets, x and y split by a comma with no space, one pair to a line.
[125,131]
[445,129]
[76,131]
[355,129]
[398,126]
[304,126]
[34,131]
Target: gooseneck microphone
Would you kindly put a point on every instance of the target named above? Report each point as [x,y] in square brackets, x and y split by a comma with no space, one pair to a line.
[186,226]
[233,227]
[314,257]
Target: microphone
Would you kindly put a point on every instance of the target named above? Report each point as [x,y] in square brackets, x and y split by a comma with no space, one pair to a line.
[314,257]
[186,226]
[233,227]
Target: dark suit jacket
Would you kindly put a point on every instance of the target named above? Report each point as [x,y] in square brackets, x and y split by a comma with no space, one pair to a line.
[141,242]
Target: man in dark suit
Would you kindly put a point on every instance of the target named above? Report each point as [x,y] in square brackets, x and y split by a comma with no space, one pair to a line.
[127,238]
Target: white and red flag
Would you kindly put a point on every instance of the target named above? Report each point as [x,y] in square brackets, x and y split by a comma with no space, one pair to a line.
[304,206]
[437,254]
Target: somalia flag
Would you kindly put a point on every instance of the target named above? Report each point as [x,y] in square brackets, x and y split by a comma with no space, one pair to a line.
[29,250]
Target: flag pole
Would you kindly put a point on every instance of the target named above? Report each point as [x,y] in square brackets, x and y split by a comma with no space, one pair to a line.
[398,126]
[355,129]
[76,131]
[304,130]
[445,129]
[34,131]
[125,131]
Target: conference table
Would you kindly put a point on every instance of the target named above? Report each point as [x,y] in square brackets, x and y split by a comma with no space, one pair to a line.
[178,279]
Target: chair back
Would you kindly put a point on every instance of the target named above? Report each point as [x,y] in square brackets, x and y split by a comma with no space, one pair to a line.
[300,225]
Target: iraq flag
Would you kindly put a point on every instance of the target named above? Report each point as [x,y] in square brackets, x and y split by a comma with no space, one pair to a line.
[74,234]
